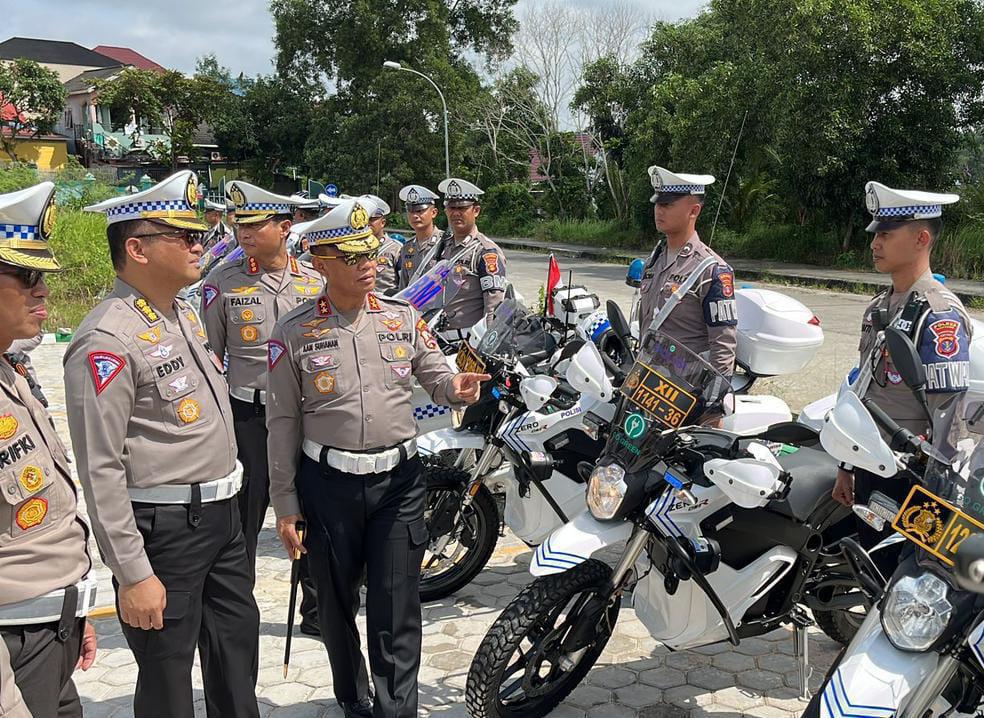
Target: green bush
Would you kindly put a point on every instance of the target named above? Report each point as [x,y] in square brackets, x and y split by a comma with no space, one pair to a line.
[507,210]
[598,233]
[79,243]
[17,175]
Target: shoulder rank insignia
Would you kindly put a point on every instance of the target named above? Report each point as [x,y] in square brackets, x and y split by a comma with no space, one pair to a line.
[105,367]
[150,314]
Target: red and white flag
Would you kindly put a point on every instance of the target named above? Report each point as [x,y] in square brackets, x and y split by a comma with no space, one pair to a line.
[553,279]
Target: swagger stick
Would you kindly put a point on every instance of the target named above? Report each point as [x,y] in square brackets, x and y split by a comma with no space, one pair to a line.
[295,575]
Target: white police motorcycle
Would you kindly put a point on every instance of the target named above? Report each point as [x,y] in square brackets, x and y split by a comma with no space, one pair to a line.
[920,652]
[722,539]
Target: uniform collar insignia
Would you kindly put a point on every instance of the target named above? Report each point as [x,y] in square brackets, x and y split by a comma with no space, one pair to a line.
[294,268]
[372,302]
[324,306]
[686,250]
[252,266]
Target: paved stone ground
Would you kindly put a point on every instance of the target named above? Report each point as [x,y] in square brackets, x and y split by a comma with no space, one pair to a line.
[635,676]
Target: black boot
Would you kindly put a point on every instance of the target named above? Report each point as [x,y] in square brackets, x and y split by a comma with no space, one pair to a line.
[358,709]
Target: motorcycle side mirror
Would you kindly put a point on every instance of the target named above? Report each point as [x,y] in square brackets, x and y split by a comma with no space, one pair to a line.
[586,373]
[906,359]
[584,469]
[537,390]
[968,566]
[850,435]
[618,321]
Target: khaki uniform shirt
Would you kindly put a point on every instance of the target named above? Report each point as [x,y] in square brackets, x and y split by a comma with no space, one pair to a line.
[241,302]
[942,336]
[706,319]
[346,383]
[147,406]
[42,539]
[481,274]
[413,253]
[387,277]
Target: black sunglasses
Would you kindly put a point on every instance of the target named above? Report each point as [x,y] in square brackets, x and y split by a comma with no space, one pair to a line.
[30,278]
[188,236]
[352,259]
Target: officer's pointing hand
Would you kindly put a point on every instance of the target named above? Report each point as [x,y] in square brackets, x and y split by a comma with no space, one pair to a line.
[142,604]
[288,535]
[468,386]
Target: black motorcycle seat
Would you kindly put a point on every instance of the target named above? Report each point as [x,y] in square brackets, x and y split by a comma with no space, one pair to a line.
[813,474]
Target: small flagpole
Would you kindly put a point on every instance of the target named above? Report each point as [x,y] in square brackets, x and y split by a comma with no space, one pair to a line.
[546,287]
[567,307]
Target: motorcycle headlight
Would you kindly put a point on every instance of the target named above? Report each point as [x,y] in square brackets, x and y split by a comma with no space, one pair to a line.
[916,612]
[606,489]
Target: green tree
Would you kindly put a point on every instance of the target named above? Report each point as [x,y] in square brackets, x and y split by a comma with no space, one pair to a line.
[31,99]
[843,91]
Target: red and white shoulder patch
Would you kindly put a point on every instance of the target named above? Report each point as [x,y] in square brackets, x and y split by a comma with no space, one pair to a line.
[105,367]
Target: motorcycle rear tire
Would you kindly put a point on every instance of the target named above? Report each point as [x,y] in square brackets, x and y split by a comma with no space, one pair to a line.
[511,629]
[485,514]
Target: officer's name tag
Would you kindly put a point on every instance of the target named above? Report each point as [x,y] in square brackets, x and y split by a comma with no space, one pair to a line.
[244,301]
[319,346]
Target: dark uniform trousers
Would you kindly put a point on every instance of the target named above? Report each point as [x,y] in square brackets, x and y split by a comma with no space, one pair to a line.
[249,423]
[199,554]
[374,521]
[43,667]
[894,487]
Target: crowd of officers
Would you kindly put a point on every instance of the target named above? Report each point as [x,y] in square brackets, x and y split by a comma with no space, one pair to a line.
[292,386]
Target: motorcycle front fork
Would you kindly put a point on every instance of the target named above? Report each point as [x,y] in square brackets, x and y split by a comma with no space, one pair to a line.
[489,456]
[930,688]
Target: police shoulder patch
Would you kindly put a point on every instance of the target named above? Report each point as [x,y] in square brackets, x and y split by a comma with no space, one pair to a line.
[275,350]
[944,348]
[209,293]
[105,367]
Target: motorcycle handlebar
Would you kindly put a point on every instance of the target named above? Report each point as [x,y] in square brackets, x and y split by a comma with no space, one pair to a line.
[900,439]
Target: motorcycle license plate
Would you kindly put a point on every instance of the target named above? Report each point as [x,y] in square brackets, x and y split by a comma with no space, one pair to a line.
[468,361]
[935,525]
[666,403]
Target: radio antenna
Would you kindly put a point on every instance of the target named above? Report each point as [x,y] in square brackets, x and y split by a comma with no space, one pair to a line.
[727,177]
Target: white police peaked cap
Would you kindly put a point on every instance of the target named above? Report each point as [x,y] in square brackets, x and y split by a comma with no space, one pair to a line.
[171,201]
[27,218]
[417,196]
[211,206]
[375,205]
[330,202]
[671,186]
[458,192]
[255,204]
[346,227]
[302,201]
[891,207]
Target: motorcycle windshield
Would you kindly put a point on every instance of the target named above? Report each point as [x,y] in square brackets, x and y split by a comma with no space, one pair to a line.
[515,332]
[433,290]
[948,505]
[668,387]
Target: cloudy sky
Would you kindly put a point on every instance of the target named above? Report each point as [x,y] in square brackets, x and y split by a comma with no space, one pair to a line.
[176,32]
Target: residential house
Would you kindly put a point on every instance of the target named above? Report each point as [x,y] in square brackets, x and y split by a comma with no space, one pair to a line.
[68,59]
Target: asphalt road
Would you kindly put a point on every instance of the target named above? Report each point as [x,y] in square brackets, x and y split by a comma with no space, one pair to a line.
[839,313]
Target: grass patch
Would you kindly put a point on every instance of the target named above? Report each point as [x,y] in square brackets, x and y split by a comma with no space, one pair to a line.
[79,243]
[596,233]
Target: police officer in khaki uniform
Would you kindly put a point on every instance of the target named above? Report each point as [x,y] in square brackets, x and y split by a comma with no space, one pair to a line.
[217,230]
[306,209]
[421,208]
[241,301]
[480,268]
[148,409]
[340,399]
[705,320]
[387,273]
[45,592]
[905,224]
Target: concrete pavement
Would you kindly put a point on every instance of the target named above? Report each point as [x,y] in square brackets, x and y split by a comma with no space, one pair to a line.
[635,677]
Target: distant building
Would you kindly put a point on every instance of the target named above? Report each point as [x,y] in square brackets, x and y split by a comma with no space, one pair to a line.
[126,56]
[66,58]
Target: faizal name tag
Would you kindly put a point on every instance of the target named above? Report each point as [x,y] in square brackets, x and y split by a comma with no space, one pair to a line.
[934,524]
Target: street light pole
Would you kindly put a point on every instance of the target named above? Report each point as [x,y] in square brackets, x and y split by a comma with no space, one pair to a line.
[447,155]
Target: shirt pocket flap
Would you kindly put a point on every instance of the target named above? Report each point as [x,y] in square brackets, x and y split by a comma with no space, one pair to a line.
[396,352]
[176,386]
[320,362]
[247,315]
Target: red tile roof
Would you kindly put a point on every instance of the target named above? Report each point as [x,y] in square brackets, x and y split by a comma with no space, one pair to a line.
[127,56]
